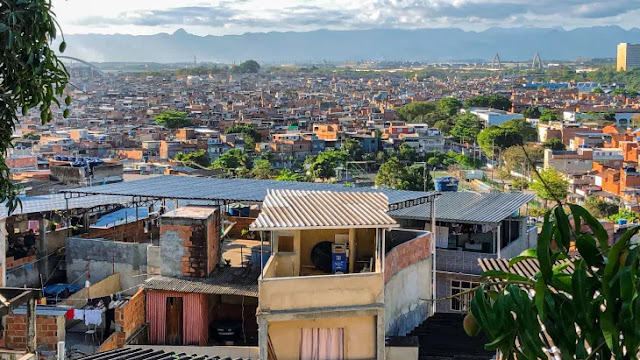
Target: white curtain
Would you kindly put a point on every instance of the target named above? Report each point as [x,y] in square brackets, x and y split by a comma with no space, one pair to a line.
[322,344]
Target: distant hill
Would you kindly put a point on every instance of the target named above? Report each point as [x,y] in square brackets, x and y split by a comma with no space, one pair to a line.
[378,44]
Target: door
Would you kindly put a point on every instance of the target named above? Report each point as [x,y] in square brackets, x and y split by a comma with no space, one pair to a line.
[174,321]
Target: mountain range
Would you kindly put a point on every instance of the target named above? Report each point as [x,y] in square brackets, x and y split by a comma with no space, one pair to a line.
[447,44]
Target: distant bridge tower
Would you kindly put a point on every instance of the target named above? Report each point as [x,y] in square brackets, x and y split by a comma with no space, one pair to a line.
[496,63]
[537,63]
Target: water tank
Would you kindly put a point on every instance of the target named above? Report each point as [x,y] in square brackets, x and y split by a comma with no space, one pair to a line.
[446,184]
[255,255]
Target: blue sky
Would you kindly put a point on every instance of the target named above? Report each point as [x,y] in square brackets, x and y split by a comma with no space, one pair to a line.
[222,17]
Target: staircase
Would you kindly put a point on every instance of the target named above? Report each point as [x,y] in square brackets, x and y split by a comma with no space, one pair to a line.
[442,337]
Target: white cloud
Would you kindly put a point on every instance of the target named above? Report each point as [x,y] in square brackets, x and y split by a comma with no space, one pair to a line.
[239,16]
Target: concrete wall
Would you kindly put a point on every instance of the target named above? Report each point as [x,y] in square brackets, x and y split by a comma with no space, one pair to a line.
[154,260]
[401,353]
[54,240]
[321,291]
[104,258]
[104,287]
[24,274]
[408,280]
[458,261]
[359,336]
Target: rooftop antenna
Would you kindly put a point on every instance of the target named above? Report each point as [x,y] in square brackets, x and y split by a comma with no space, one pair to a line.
[537,63]
[496,61]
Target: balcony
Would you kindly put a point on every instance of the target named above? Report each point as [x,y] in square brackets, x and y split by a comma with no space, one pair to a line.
[280,290]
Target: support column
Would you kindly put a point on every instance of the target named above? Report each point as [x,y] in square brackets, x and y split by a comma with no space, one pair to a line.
[41,246]
[297,240]
[263,339]
[498,242]
[380,335]
[434,237]
[352,250]
[31,325]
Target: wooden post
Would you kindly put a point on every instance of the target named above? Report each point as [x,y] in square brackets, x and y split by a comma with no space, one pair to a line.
[31,325]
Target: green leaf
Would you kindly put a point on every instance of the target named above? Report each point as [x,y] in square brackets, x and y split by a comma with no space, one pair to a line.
[596,227]
[67,100]
[63,46]
[588,250]
[562,223]
[527,254]
[544,241]
[65,113]
[541,289]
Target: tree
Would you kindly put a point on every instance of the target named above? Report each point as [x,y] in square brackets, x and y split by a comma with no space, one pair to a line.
[247,67]
[288,175]
[500,137]
[172,119]
[599,208]
[554,144]
[449,106]
[200,157]
[262,169]
[619,91]
[407,153]
[532,112]
[231,159]
[467,127]
[245,130]
[528,132]
[589,312]
[495,101]
[31,75]
[412,110]
[548,115]
[353,148]
[516,160]
[323,166]
[393,175]
[550,185]
[598,90]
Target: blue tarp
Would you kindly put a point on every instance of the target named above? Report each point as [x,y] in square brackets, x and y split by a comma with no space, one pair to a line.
[121,217]
[56,289]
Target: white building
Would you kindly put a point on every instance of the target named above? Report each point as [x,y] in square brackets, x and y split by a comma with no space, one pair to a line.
[494,116]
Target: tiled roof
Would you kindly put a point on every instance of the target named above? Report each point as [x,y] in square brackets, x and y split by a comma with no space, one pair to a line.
[295,209]
[223,281]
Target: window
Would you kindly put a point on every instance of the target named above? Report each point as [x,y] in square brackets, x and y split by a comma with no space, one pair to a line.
[462,303]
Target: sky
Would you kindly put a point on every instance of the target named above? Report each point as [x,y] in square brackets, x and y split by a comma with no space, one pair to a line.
[224,17]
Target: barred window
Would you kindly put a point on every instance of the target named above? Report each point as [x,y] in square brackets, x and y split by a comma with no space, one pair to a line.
[462,302]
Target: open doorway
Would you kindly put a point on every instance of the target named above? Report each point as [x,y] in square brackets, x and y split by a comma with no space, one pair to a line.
[174,321]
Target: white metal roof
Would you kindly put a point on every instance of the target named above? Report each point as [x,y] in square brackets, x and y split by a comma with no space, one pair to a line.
[296,209]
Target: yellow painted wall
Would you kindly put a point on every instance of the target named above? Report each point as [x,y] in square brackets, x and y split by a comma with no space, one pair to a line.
[309,239]
[104,287]
[365,242]
[359,333]
[321,291]
[622,57]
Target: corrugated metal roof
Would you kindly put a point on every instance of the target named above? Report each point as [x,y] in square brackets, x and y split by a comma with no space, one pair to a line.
[146,354]
[467,207]
[200,188]
[294,209]
[47,203]
[223,281]
[527,268]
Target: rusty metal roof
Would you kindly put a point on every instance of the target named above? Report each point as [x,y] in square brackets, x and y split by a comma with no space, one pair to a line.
[223,281]
[296,209]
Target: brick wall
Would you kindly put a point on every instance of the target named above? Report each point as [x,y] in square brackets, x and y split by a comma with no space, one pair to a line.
[130,316]
[198,242]
[131,232]
[49,330]
[241,223]
[406,254]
